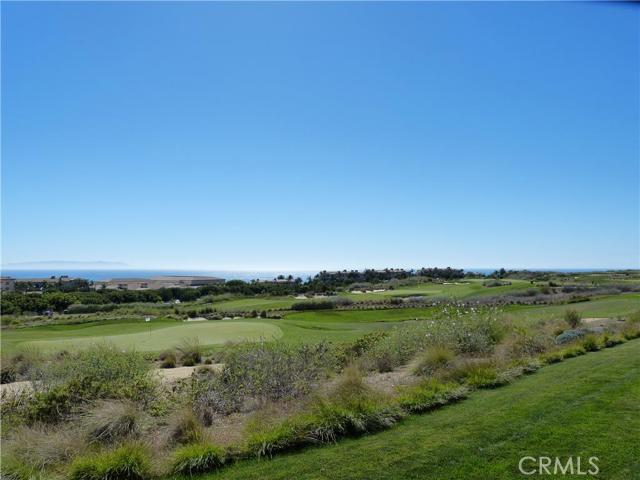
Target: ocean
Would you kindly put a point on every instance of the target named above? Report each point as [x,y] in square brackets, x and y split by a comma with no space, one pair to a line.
[100,274]
[125,273]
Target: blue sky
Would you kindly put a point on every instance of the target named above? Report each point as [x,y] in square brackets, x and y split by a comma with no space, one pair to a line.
[321,135]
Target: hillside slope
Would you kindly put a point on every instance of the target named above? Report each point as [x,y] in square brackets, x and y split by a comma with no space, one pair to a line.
[585,406]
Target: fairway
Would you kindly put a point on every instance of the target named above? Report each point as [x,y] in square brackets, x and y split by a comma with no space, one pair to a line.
[585,406]
[138,336]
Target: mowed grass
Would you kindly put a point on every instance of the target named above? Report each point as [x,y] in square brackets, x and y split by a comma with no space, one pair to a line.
[136,334]
[586,406]
[310,326]
[457,289]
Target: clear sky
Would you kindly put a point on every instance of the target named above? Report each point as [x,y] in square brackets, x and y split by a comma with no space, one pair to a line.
[321,135]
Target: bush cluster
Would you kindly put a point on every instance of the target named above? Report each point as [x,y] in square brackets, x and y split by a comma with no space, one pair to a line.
[127,462]
[267,371]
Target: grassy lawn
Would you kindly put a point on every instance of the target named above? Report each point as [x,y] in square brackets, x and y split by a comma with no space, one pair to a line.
[310,326]
[613,306]
[154,336]
[586,406]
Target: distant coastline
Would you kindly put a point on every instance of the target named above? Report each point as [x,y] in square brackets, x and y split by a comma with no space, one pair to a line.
[105,274]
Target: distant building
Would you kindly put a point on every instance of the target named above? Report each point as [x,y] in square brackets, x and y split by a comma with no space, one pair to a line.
[123,284]
[7,284]
[42,282]
[154,283]
[186,280]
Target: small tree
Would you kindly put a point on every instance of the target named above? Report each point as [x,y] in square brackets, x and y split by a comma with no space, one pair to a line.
[572,317]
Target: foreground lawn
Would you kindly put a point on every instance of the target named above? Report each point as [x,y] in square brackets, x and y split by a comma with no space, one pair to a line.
[586,406]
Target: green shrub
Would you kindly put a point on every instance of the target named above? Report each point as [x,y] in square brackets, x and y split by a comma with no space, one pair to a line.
[347,352]
[474,373]
[573,352]
[168,359]
[590,343]
[351,408]
[553,357]
[634,317]
[314,305]
[528,344]
[197,458]
[8,373]
[21,365]
[470,331]
[14,468]
[184,428]
[613,341]
[190,352]
[631,330]
[433,359]
[265,440]
[127,462]
[430,394]
[573,318]
[100,372]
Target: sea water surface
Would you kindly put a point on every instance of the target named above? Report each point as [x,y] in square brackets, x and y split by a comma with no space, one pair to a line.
[106,274]
[126,273]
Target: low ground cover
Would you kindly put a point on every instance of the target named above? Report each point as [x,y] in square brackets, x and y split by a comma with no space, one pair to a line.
[270,397]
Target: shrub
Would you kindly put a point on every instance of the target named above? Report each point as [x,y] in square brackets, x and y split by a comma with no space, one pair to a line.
[264,372]
[613,341]
[29,452]
[184,428]
[168,360]
[264,439]
[569,336]
[433,359]
[112,420]
[8,372]
[590,343]
[314,305]
[475,373]
[190,352]
[472,331]
[351,408]
[573,318]
[20,366]
[553,357]
[430,394]
[527,344]
[347,352]
[573,352]
[479,333]
[197,458]
[96,373]
[127,462]
[631,330]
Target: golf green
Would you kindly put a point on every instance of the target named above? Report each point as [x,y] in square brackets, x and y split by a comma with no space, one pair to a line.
[154,339]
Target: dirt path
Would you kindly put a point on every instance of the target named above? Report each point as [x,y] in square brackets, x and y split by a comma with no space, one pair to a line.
[172,374]
[167,375]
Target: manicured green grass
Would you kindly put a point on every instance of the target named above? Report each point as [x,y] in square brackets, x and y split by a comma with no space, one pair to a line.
[611,306]
[250,303]
[153,336]
[309,326]
[586,406]
[455,289]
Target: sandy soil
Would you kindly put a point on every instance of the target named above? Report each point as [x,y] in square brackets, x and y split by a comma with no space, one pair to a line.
[168,375]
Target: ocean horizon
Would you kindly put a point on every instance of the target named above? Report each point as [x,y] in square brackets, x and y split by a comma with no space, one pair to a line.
[246,275]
